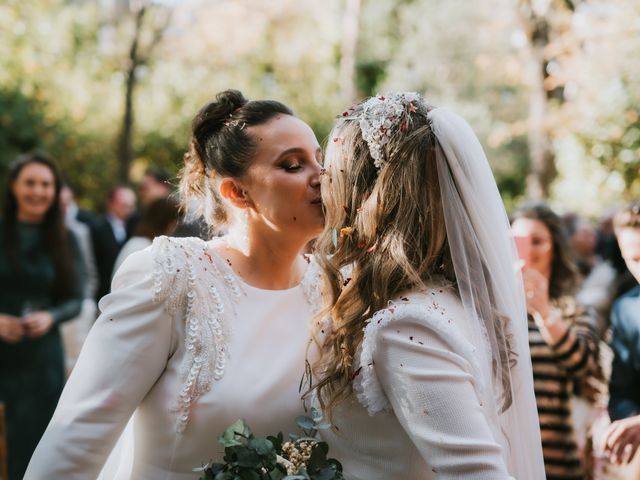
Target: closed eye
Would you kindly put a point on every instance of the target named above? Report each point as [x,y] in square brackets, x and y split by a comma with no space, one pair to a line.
[292,168]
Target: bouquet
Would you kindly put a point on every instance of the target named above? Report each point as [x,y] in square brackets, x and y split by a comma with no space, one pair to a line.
[247,457]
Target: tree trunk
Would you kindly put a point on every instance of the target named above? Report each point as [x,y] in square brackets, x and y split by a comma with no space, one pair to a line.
[542,168]
[350,24]
[542,160]
[125,142]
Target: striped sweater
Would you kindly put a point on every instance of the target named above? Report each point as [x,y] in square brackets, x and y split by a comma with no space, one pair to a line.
[555,369]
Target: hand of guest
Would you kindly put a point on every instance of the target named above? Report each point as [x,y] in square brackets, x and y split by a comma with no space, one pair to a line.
[11,328]
[622,439]
[37,324]
[536,289]
[548,318]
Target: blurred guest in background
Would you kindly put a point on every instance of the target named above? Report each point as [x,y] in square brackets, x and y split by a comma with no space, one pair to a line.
[82,232]
[583,239]
[159,218]
[75,331]
[155,185]
[41,273]
[109,234]
[622,439]
[562,337]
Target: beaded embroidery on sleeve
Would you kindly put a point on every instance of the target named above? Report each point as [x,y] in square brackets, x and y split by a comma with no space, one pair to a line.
[191,282]
[188,281]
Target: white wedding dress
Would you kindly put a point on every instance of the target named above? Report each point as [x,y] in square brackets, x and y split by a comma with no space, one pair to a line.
[417,412]
[189,347]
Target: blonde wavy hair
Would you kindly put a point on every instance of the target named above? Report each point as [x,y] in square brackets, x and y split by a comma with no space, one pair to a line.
[385,234]
[386,228]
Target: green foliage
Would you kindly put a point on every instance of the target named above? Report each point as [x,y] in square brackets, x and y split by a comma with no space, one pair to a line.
[247,457]
[62,81]
[22,125]
[617,148]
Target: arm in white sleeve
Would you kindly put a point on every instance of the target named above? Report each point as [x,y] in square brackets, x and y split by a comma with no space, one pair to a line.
[430,388]
[121,359]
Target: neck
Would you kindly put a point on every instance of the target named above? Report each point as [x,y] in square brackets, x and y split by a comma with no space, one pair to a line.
[546,273]
[28,218]
[268,259]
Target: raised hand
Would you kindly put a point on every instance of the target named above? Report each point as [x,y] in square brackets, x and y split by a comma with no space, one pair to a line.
[536,289]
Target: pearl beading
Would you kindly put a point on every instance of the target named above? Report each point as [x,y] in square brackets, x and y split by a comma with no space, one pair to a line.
[187,280]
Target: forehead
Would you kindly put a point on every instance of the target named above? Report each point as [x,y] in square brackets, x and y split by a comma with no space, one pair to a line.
[282,133]
[124,195]
[530,226]
[340,136]
[36,170]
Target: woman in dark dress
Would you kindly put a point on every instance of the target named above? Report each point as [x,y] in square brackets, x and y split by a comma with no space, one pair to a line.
[40,287]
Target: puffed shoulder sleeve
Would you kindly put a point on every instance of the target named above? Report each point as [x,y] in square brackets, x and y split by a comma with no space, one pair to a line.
[125,353]
[425,375]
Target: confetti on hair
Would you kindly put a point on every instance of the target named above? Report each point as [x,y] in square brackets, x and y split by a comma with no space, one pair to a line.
[334,237]
[346,231]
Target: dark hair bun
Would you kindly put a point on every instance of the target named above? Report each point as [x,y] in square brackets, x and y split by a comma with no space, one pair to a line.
[212,117]
[221,145]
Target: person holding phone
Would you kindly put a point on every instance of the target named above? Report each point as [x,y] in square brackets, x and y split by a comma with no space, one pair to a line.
[563,337]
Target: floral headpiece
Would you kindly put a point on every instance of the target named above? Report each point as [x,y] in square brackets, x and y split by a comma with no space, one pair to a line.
[379,116]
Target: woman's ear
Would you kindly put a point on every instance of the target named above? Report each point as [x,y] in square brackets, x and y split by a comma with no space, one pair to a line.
[233,191]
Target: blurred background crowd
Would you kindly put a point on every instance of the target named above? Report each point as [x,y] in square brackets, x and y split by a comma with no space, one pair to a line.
[95,103]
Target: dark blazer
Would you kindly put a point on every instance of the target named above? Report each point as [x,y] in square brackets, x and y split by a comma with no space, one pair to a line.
[105,249]
[624,387]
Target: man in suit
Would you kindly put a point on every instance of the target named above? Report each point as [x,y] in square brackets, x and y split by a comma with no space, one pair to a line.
[622,439]
[109,233]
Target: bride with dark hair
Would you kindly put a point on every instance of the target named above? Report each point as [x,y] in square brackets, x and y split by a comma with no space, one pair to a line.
[424,369]
[198,334]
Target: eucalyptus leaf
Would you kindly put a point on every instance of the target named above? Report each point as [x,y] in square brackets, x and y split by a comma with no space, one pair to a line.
[326,473]
[315,414]
[277,474]
[225,476]
[247,457]
[277,442]
[230,436]
[249,475]
[262,446]
[323,426]
[305,422]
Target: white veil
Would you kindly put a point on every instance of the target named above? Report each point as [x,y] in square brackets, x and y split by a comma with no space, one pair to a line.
[484,259]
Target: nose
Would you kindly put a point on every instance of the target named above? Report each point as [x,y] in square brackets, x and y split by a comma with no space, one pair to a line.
[315,176]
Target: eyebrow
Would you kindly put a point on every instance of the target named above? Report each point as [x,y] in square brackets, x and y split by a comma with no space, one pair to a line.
[289,151]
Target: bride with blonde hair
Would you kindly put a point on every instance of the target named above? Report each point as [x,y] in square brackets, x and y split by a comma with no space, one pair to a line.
[424,369]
